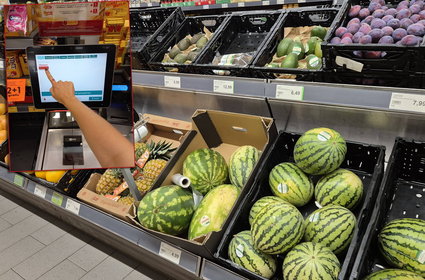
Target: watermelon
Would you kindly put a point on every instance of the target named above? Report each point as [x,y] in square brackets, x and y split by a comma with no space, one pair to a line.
[290,183]
[332,226]
[261,203]
[167,209]
[402,243]
[341,187]
[277,228]
[243,253]
[393,274]
[241,164]
[320,151]
[206,170]
[308,261]
[213,210]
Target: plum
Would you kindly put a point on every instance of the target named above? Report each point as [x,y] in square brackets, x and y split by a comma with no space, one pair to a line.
[420,3]
[391,12]
[398,34]
[379,13]
[347,35]
[357,36]
[346,41]
[364,28]
[422,22]
[366,39]
[409,40]
[372,54]
[364,13]
[374,6]
[403,3]
[386,40]
[354,11]
[387,30]
[380,2]
[384,8]
[340,31]
[401,8]
[415,18]
[398,43]
[377,23]
[368,19]
[358,54]
[404,23]
[353,28]
[335,40]
[403,13]
[387,18]
[415,9]
[394,23]
[353,21]
[376,34]
[422,14]
[416,29]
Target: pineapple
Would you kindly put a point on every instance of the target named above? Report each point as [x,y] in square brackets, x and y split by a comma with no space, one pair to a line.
[139,149]
[153,168]
[144,185]
[126,200]
[110,180]
[160,150]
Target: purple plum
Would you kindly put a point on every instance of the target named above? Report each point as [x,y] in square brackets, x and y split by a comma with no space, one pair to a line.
[376,34]
[378,13]
[346,41]
[358,54]
[403,3]
[374,6]
[364,13]
[380,2]
[422,22]
[415,18]
[354,11]
[415,9]
[366,39]
[377,23]
[398,43]
[404,13]
[368,19]
[391,12]
[335,40]
[347,35]
[406,22]
[419,3]
[353,28]
[416,29]
[384,8]
[340,31]
[394,23]
[399,33]
[401,8]
[372,54]
[365,28]
[357,36]
[422,14]
[387,18]
[387,30]
[386,40]
[409,40]
[353,21]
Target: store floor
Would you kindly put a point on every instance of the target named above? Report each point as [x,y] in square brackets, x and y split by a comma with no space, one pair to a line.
[35,245]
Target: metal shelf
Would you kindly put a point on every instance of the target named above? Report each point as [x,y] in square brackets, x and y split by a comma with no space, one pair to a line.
[211,271]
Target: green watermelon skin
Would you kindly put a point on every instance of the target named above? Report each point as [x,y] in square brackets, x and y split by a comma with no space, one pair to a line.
[206,170]
[289,182]
[277,228]
[242,252]
[402,243]
[332,226]
[261,203]
[319,151]
[393,274]
[340,187]
[241,164]
[213,210]
[308,261]
[167,209]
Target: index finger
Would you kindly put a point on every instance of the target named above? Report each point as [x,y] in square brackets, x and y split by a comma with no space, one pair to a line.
[50,77]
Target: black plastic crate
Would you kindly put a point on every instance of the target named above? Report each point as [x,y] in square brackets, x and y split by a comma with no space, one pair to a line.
[4,150]
[401,58]
[293,18]
[242,33]
[190,26]
[367,161]
[401,196]
[149,29]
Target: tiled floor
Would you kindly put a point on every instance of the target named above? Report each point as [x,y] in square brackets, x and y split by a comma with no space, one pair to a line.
[34,245]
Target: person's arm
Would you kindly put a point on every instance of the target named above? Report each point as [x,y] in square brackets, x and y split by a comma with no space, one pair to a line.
[110,147]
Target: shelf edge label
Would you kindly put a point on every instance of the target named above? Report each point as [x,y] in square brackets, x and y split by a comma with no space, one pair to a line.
[73,206]
[349,63]
[407,102]
[40,191]
[290,92]
[57,198]
[223,86]
[18,180]
[172,82]
[170,253]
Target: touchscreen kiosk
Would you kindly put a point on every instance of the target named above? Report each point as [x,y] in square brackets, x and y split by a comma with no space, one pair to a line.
[89,67]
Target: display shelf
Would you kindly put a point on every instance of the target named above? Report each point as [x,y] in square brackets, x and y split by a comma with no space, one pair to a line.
[144,5]
[211,271]
[185,265]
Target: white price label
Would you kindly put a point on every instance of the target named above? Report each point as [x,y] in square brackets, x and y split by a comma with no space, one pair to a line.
[150,5]
[241,4]
[280,2]
[301,1]
[265,3]
[72,206]
[349,63]
[408,102]
[225,6]
[290,92]
[170,253]
[223,86]
[205,7]
[40,191]
[172,82]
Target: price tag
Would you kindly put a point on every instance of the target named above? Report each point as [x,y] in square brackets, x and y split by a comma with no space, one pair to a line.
[225,6]
[40,191]
[223,86]
[150,5]
[265,3]
[16,90]
[280,2]
[349,63]
[290,92]
[18,180]
[205,7]
[241,4]
[57,199]
[72,206]
[301,1]
[408,102]
[170,253]
[172,82]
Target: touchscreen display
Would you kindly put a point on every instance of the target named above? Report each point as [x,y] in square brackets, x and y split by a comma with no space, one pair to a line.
[86,70]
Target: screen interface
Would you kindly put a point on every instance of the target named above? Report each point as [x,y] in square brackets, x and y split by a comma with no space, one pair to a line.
[86,70]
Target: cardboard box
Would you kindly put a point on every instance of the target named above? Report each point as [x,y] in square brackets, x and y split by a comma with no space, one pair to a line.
[159,129]
[223,132]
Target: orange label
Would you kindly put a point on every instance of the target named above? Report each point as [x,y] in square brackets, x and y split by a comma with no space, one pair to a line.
[16,90]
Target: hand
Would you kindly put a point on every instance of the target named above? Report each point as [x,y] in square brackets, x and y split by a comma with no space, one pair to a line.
[63,92]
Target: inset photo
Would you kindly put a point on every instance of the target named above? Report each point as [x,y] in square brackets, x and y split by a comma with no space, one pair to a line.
[68,79]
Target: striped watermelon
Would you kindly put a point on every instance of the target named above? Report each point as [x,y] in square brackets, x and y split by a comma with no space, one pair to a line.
[213,210]
[341,187]
[241,164]
[277,228]
[167,209]
[261,203]
[402,242]
[206,170]
[308,261]
[393,274]
[332,226]
[290,183]
[243,253]
[320,151]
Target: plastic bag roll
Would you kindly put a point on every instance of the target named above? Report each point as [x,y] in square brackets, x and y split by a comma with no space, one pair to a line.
[180,180]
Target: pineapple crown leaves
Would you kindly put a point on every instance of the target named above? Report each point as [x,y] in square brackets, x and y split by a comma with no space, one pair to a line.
[160,150]
[116,172]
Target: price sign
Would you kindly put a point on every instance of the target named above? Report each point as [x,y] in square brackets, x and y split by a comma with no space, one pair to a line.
[205,7]
[225,6]
[290,92]
[170,253]
[57,199]
[172,82]
[16,90]
[40,191]
[223,86]
[241,4]
[408,102]
[265,3]
[18,180]
[72,206]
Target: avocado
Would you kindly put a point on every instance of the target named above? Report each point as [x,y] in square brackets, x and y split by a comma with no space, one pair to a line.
[318,31]
[311,44]
[318,50]
[192,55]
[273,65]
[180,58]
[201,42]
[298,48]
[174,51]
[196,37]
[313,62]
[282,48]
[290,61]
[183,44]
